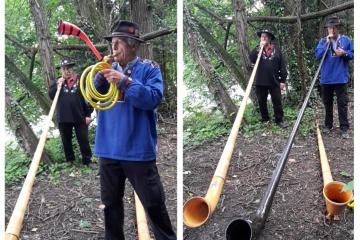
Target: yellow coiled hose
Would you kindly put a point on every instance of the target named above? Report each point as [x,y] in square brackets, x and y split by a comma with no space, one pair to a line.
[92,96]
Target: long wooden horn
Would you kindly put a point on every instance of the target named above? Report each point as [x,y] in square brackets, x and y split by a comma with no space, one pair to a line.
[247,229]
[143,229]
[15,223]
[335,198]
[197,210]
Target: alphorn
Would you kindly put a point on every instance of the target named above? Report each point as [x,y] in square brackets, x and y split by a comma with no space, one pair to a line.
[197,210]
[143,229]
[335,198]
[17,217]
[246,229]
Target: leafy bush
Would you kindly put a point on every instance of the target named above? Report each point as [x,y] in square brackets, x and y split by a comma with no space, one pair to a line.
[201,126]
[16,164]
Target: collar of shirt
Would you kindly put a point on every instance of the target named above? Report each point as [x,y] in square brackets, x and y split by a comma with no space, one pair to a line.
[130,64]
[334,42]
[128,67]
[268,49]
[71,81]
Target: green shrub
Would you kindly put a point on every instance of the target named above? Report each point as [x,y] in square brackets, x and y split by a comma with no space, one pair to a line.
[16,164]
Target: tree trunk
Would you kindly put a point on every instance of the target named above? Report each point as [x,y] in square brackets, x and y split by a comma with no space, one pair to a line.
[141,13]
[20,126]
[241,30]
[299,52]
[97,14]
[46,52]
[215,86]
[43,101]
[234,69]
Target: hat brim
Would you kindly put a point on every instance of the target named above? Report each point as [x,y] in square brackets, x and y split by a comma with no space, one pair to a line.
[108,38]
[271,35]
[68,64]
[332,25]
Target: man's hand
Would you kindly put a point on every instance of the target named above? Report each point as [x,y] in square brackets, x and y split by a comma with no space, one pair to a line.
[328,37]
[112,76]
[282,86]
[109,59]
[88,120]
[339,52]
[60,82]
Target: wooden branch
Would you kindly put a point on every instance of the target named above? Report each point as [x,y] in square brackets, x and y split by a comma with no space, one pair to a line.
[17,44]
[304,17]
[29,85]
[288,19]
[220,20]
[32,64]
[79,47]
[158,33]
[104,47]
[227,34]
[234,68]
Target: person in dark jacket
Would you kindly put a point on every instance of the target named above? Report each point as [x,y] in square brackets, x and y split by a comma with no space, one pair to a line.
[126,135]
[72,113]
[270,76]
[334,74]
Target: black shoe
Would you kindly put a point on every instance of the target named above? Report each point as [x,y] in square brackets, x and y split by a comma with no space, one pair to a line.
[326,129]
[91,165]
[345,134]
[281,125]
[265,120]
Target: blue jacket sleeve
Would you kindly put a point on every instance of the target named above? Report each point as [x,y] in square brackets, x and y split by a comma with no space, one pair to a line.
[320,49]
[146,95]
[349,49]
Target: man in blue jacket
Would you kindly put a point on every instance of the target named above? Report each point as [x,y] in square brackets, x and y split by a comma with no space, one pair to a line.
[334,74]
[126,135]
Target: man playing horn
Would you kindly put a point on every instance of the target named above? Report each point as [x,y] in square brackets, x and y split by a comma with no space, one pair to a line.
[126,135]
[270,77]
[72,113]
[334,74]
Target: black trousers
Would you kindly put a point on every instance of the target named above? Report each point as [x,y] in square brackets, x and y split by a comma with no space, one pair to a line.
[275,93]
[145,179]
[82,135]
[327,94]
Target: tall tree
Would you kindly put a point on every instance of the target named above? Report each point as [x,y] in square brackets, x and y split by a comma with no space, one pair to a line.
[241,30]
[20,126]
[217,89]
[28,84]
[141,13]
[42,32]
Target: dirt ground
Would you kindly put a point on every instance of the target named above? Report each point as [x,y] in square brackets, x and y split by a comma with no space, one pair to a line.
[69,208]
[298,209]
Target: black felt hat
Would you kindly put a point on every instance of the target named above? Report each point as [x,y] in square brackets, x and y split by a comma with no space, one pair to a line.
[126,29]
[65,62]
[333,21]
[267,30]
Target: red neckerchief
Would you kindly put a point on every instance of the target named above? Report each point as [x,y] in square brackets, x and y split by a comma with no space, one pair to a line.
[71,81]
[268,49]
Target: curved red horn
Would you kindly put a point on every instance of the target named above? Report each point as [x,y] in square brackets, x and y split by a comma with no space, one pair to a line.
[66,28]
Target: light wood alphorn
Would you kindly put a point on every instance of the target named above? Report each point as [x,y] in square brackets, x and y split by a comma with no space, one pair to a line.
[17,217]
[142,226]
[197,210]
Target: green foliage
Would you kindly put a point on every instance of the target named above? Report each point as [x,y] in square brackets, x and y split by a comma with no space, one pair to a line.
[16,164]
[201,127]
[83,224]
[348,187]
[54,149]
